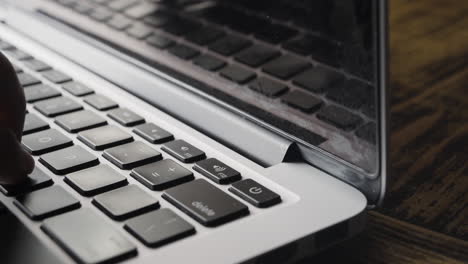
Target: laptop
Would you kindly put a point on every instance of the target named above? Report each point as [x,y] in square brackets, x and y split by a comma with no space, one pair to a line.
[205,131]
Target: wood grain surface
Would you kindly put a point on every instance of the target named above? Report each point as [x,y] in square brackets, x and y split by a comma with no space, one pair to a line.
[425,215]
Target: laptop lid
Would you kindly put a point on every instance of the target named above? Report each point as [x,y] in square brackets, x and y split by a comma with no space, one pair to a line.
[313,72]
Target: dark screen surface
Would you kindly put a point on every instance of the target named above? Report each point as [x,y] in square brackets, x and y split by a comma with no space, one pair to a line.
[307,68]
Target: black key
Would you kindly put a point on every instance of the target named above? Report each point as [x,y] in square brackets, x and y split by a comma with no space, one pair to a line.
[91,240]
[256,55]
[45,141]
[140,11]
[255,193]
[339,117]
[26,79]
[302,101]
[32,124]
[153,133]
[46,202]
[57,106]
[209,62]
[119,22]
[285,66]
[158,19]
[237,74]
[18,54]
[104,137]
[139,31]
[205,35]
[95,180]
[131,155]
[125,202]
[351,94]
[40,92]
[159,41]
[77,89]
[162,174]
[100,14]
[230,44]
[56,76]
[68,160]
[159,228]
[217,171]
[183,151]
[268,87]
[125,117]
[205,203]
[318,79]
[35,181]
[180,26]
[183,51]
[36,65]
[100,102]
[120,5]
[78,121]
[368,132]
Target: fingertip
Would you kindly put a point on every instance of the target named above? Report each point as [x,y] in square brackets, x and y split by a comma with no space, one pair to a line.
[28,162]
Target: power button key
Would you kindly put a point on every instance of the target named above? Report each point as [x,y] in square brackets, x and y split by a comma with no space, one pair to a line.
[255,193]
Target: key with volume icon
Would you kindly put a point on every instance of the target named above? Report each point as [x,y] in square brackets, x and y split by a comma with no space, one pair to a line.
[217,171]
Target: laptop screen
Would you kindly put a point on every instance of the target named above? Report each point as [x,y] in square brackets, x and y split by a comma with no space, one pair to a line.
[307,68]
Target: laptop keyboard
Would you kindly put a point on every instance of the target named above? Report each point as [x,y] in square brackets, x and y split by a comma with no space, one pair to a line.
[155,162]
[272,58]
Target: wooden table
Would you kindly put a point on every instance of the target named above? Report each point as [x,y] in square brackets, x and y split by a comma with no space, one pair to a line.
[425,216]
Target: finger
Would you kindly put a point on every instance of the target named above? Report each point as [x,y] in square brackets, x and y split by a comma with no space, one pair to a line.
[12,102]
[16,162]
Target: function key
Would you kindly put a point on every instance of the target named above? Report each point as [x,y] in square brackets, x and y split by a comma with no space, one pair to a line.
[209,63]
[205,203]
[57,106]
[237,74]
[229,45]
[318,79]
[89,232]
[131,155]
[78,121]
[77,89]
[32,124]
[40,92]
[35,181]
[339,117]
[68,160]
[256,55]
[46,202]
[95,180]
[125,202]
[104,137]
[162,174]
[302,101]
[56,76]
[159,41]
[125,117]
[183,51]
[45,141]
[100,102]
[255,193]
[26,79]
[183,151]
[217,171]
[268,87]
[36,65]
[153,133]
[169,227]
[285,66]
